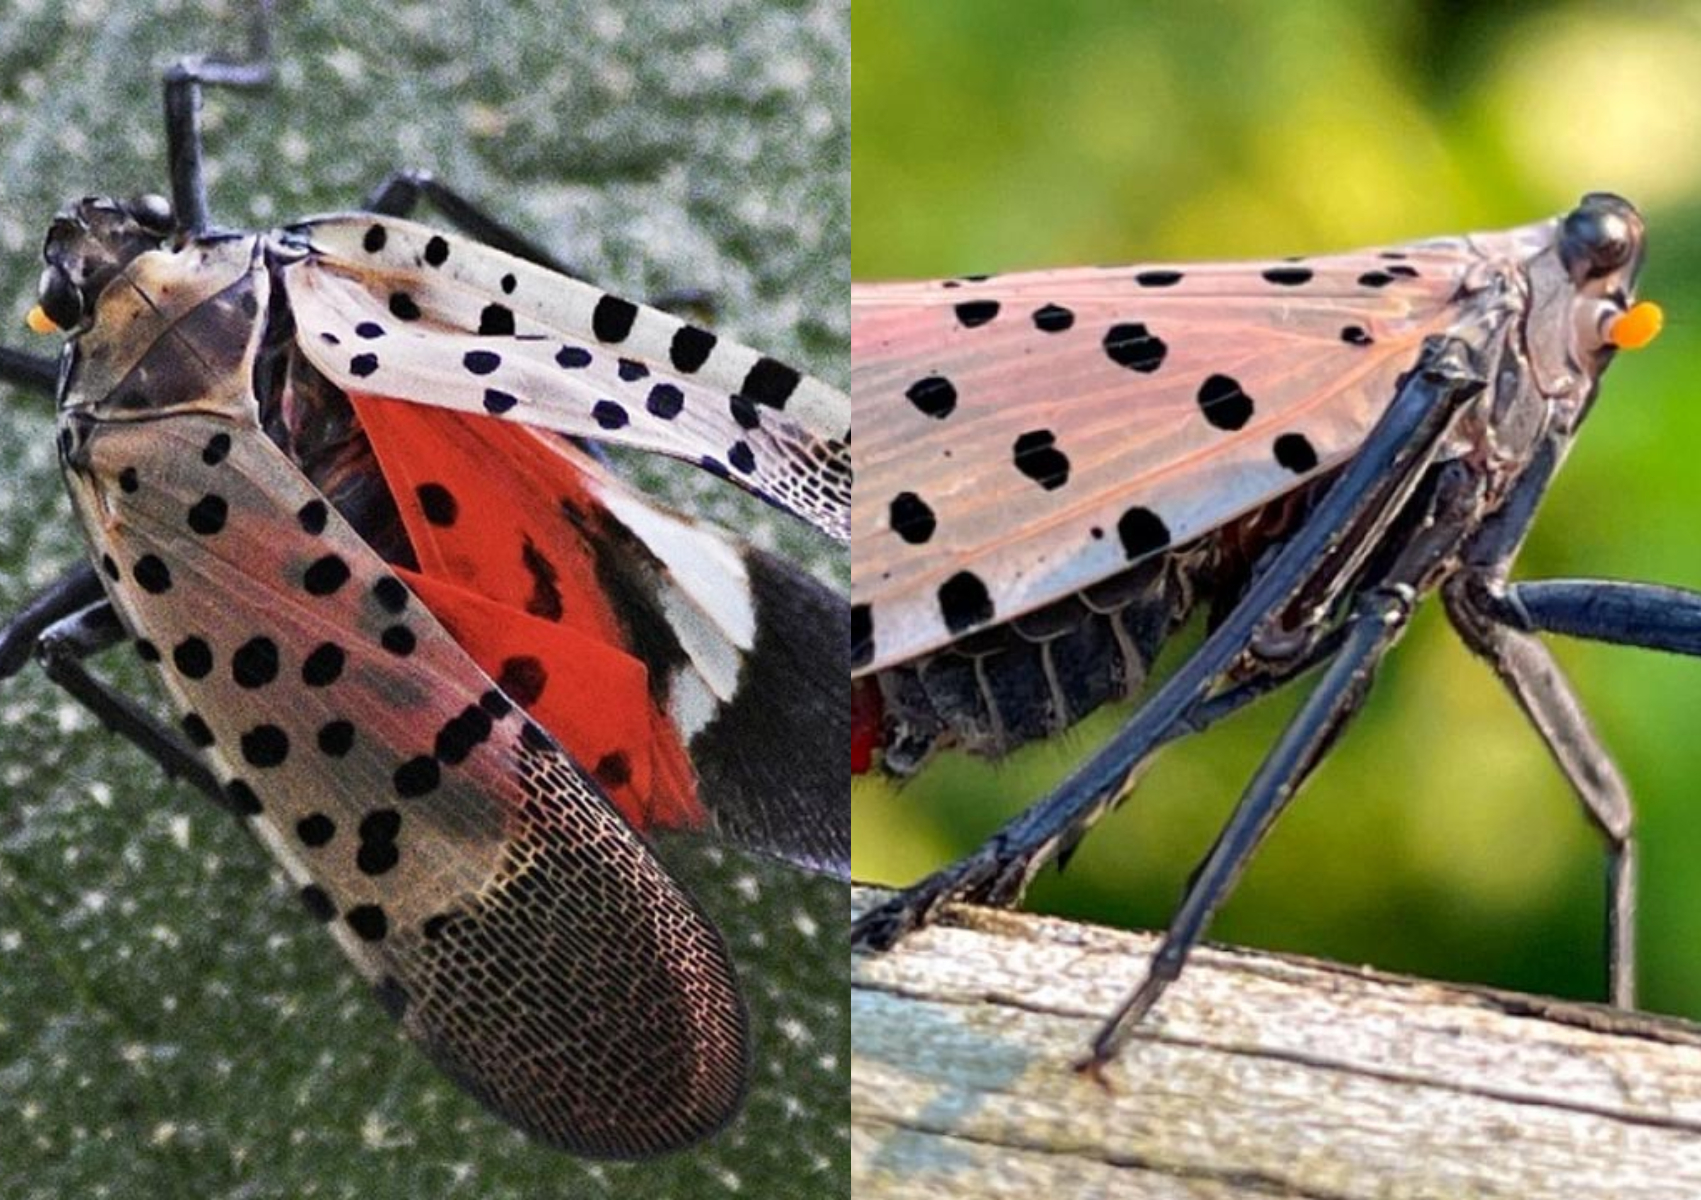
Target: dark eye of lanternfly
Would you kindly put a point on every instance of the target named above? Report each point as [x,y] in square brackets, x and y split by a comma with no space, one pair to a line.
[59,298]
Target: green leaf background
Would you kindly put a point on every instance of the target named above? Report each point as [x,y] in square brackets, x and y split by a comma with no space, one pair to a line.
[170,1024]
[1437,838]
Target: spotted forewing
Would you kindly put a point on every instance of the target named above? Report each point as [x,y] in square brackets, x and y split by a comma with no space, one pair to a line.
[1023,437]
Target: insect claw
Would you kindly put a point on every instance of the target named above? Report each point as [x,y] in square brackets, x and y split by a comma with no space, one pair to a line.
[1094,1067]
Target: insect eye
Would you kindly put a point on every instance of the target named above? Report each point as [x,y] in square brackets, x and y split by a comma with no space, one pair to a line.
[59,298]
[152,212]
[1596,239]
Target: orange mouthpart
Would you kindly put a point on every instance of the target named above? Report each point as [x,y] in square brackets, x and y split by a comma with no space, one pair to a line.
[1638,326]
[39,321]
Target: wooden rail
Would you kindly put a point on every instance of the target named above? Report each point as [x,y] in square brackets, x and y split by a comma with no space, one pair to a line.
[1258,1076]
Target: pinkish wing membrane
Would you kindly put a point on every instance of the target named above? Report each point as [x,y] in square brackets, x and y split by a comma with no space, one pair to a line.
[1024,436]
[504,912]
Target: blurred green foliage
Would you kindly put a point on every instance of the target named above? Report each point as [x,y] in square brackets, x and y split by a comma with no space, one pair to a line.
[1437,838]
[170,1024]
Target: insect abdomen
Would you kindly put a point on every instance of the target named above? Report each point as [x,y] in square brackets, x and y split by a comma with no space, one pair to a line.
[1035,676]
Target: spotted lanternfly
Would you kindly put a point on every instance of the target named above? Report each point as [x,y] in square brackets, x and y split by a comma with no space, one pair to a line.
[1055,470]
[337,483]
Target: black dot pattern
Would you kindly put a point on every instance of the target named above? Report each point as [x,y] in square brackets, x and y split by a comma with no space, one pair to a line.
[216,450]
[255,663]
[196,729]
[438,504]
[612,318]
[1036,455]
[265,746]
[497,320]
[391,594]
[193,658]
[324,666]
[964,602]
[208,515]
[690,349]
[1134,346]
[313,516]
[324,576]
[912,519]
[665,401]
[335,738]
[1223,403]
[1142,532]
[934,396]
[315,830]
[523,679]
[770,383]
[1053,318]
[152,575]
[1295,452]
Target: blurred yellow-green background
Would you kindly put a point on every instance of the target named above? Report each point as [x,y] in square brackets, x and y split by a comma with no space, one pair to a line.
[1437,839]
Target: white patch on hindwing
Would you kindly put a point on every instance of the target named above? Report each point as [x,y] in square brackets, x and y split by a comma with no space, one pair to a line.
[706,598]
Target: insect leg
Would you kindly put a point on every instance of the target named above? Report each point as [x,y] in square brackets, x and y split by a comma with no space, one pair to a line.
[1495,619]
[183,82]
[61,648]
[1648,615]
[1537,683]
[1379,479]
[35,371]
[1378,620]
[77,589]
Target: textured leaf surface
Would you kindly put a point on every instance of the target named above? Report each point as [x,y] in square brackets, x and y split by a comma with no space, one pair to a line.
[169,1022]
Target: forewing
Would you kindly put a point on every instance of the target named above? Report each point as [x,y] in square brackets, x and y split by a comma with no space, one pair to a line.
[1021,437]
[397,309]
[518,928]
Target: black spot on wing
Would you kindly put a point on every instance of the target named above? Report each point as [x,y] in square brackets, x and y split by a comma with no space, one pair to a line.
[1036,455]
[934,396]
[1132,345]
[1142,532]
[612,319]
[911,518]
[964,602]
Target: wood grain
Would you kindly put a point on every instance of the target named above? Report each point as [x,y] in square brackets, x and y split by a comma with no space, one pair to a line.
[1257,1076]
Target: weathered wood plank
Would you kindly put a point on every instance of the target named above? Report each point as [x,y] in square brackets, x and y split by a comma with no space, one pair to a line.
[1257,1076]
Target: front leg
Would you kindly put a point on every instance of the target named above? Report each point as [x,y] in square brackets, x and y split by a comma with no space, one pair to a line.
[1479,607]
[71,620]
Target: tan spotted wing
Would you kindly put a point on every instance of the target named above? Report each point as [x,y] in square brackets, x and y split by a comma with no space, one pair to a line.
[1021,437]
[520,931]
